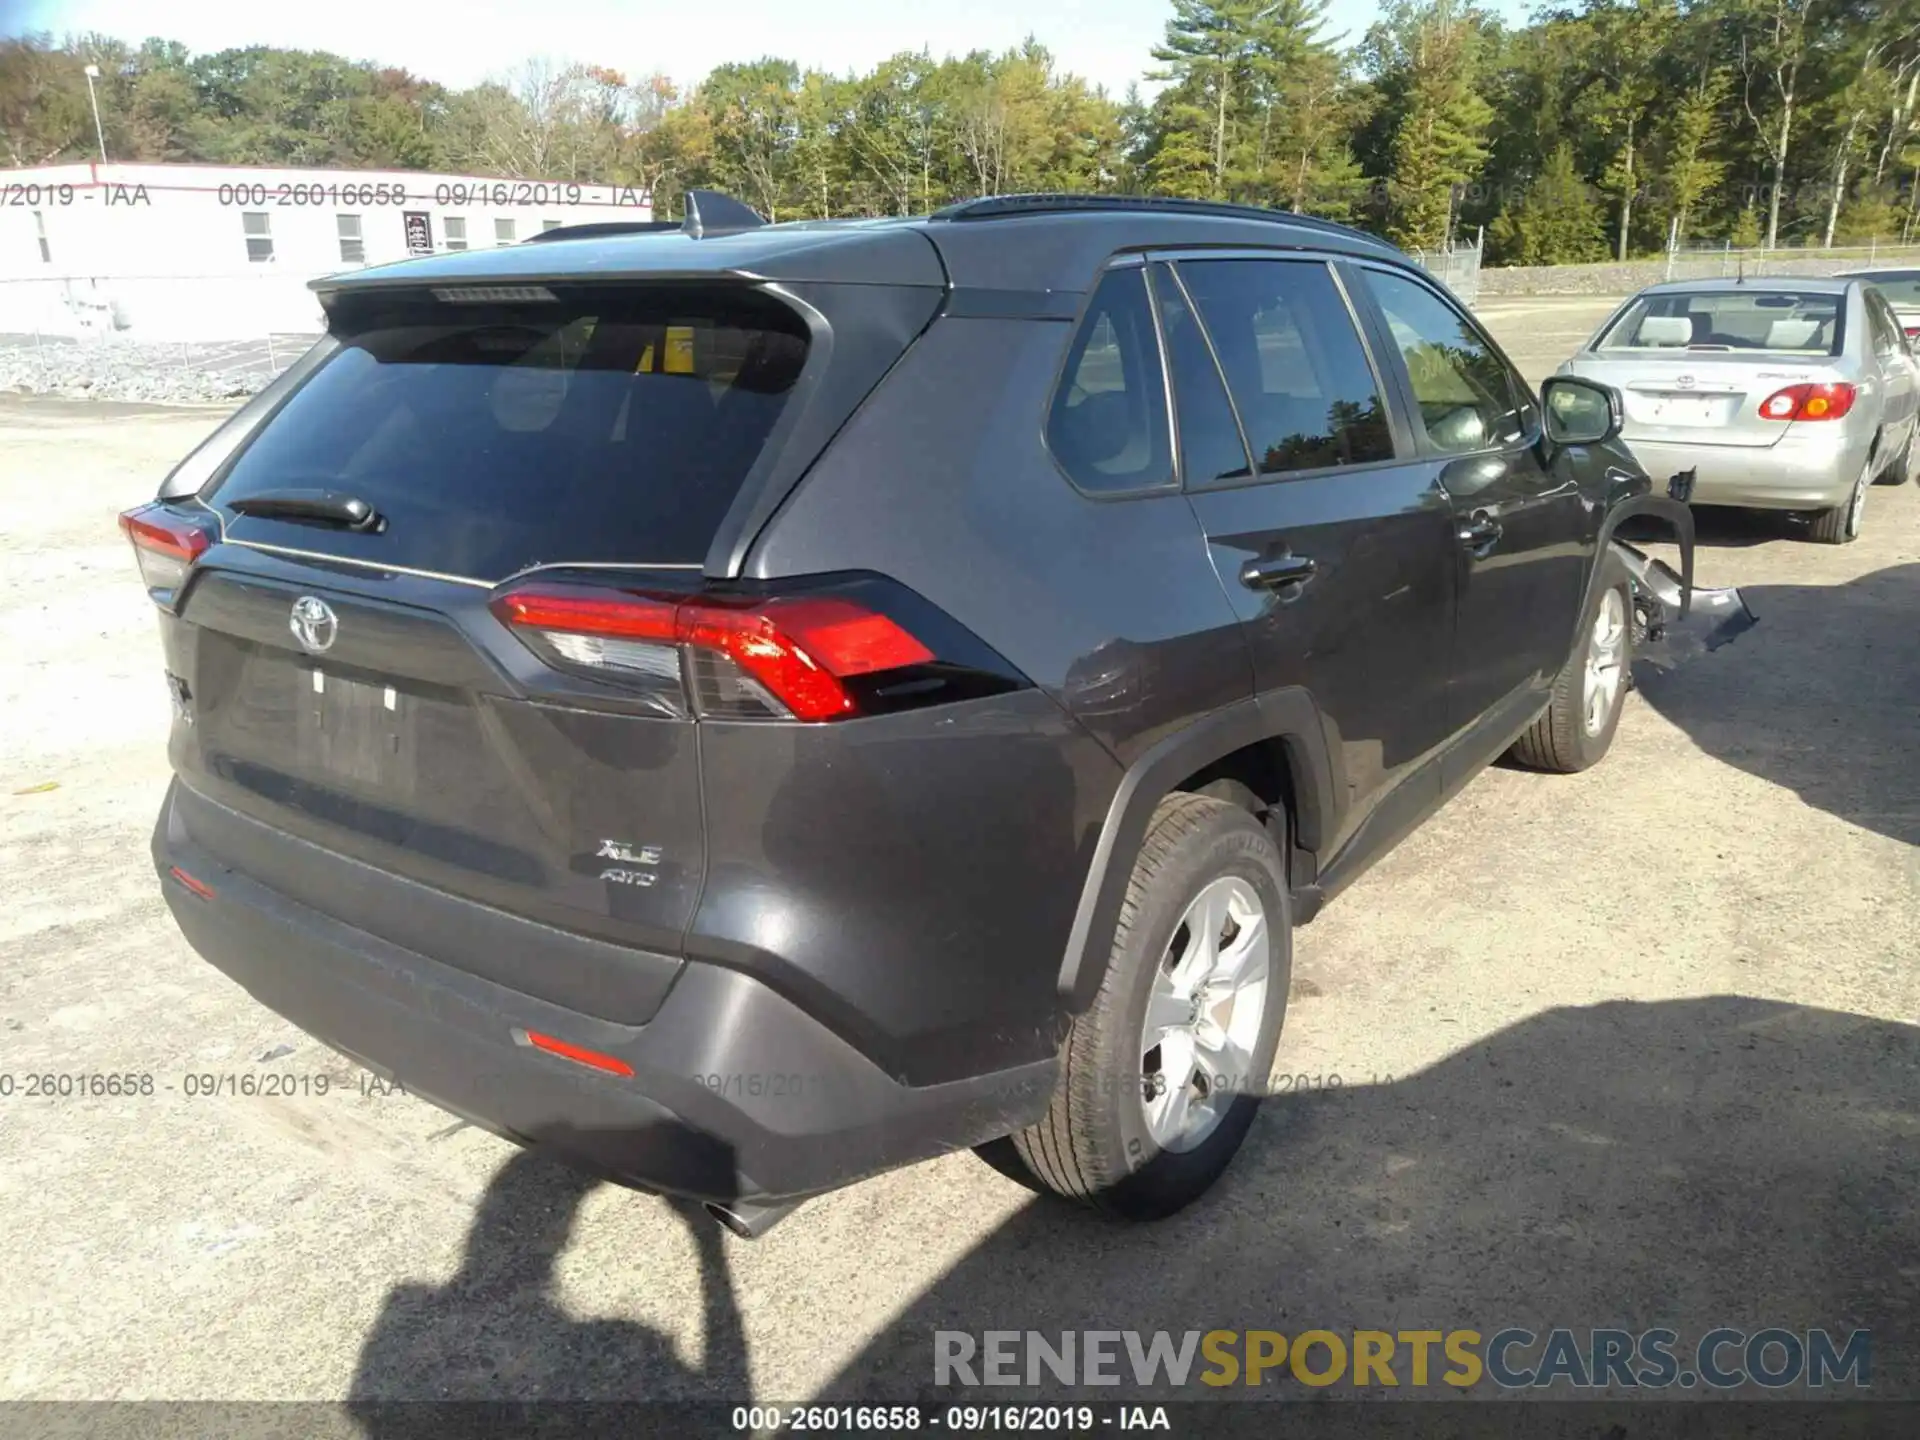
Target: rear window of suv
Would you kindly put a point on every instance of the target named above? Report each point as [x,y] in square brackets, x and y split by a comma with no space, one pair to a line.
[607,424]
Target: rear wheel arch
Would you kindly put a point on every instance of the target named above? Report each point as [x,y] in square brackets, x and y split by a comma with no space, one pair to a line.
[1658,512]
[1266,754]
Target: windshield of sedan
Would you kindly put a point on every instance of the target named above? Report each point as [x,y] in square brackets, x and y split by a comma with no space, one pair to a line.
[1775,321]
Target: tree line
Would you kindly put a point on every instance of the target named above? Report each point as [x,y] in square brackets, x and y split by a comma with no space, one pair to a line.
[1603,129]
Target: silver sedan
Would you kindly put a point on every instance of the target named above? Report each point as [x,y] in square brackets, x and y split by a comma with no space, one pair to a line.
[1779,394]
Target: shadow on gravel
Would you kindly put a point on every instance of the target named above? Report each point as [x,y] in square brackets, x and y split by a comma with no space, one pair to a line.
[1689,1164]
[1823,698]
[1719,528]
[496,1332]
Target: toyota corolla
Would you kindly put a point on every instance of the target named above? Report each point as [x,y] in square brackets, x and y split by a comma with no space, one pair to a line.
[1793,394]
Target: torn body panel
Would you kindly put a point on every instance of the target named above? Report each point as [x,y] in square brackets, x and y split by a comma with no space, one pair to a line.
[1674,620]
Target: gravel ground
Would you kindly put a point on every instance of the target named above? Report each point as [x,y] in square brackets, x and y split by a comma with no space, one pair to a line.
[1636,1047]
[148,372]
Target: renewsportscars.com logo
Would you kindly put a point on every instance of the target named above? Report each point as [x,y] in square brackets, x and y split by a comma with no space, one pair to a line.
[1512,1359]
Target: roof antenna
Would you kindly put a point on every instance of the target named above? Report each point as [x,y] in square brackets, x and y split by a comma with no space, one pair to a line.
[711,213]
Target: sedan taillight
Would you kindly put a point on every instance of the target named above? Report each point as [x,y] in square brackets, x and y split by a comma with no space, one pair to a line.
[1809,402]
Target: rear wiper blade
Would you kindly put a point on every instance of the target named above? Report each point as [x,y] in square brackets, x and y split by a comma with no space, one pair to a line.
[327,506]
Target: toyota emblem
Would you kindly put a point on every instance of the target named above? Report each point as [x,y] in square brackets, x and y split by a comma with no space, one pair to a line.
[1685,382]
[313,624]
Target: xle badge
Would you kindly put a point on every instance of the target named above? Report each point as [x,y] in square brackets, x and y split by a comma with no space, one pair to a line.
[632,855]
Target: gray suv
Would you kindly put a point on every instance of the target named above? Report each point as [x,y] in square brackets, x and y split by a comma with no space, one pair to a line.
[746,706]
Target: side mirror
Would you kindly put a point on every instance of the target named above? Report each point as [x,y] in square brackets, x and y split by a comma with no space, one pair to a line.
[1581,412]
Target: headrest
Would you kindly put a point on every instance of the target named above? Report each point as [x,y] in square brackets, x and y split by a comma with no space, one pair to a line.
[1791,334]
[1665,330]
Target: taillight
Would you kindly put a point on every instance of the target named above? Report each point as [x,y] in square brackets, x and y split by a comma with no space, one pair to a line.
[1808,402]
[165,545]
[1913,331]
[816,655]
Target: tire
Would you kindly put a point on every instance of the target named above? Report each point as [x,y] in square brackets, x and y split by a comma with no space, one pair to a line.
[1841,524]
[1097,1145]
[1562,740]
[1901,470]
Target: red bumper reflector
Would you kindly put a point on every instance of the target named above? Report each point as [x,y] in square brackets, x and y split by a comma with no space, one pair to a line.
[198,887]
[591,1058]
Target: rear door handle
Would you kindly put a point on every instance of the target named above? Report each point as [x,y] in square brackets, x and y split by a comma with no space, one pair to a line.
[1276,572]
[1481,532]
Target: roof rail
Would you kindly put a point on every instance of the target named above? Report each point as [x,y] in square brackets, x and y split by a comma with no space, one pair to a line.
[602,227]
[999,207]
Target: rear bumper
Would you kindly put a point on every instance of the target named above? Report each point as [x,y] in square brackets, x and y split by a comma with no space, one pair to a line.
[1795,473]
[736,1092]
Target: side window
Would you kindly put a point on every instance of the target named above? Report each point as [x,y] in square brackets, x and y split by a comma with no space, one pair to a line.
[1467,399]
[1108,423]
[1887,339]
[1293,361]
[1211,447]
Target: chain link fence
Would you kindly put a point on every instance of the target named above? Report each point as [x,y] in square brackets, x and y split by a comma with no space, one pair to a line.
[1457,267]
[1725,262]
[1616,278]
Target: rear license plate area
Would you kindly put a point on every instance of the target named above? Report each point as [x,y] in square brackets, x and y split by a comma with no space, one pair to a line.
[356,731]
[1684,409]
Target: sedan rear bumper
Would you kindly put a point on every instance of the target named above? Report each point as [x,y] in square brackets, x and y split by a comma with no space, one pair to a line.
[1798,472]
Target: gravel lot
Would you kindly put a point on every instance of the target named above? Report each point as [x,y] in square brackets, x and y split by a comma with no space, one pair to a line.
[1633,1048]
[153,372]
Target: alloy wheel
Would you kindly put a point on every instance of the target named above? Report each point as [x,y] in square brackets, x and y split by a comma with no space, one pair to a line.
[1204,1016]
[1606,667]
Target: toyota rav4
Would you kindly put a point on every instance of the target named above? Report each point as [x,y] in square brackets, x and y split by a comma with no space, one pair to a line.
[747,706]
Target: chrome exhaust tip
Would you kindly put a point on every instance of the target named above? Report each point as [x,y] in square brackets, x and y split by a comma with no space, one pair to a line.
[750,1219]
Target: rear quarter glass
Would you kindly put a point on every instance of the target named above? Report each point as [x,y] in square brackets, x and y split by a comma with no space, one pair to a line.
[608,424]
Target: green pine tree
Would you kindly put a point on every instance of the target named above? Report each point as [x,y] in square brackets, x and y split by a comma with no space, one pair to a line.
[1557,221]
[1440,142]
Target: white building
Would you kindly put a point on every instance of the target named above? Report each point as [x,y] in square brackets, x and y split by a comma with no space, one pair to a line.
[213,252]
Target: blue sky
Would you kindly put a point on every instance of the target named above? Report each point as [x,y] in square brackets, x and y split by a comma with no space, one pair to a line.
[459,43]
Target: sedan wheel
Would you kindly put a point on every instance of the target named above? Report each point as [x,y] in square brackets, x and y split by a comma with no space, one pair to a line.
[1841,524]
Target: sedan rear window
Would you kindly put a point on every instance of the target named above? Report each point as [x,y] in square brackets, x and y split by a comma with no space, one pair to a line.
[601,424]
[1773,321]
